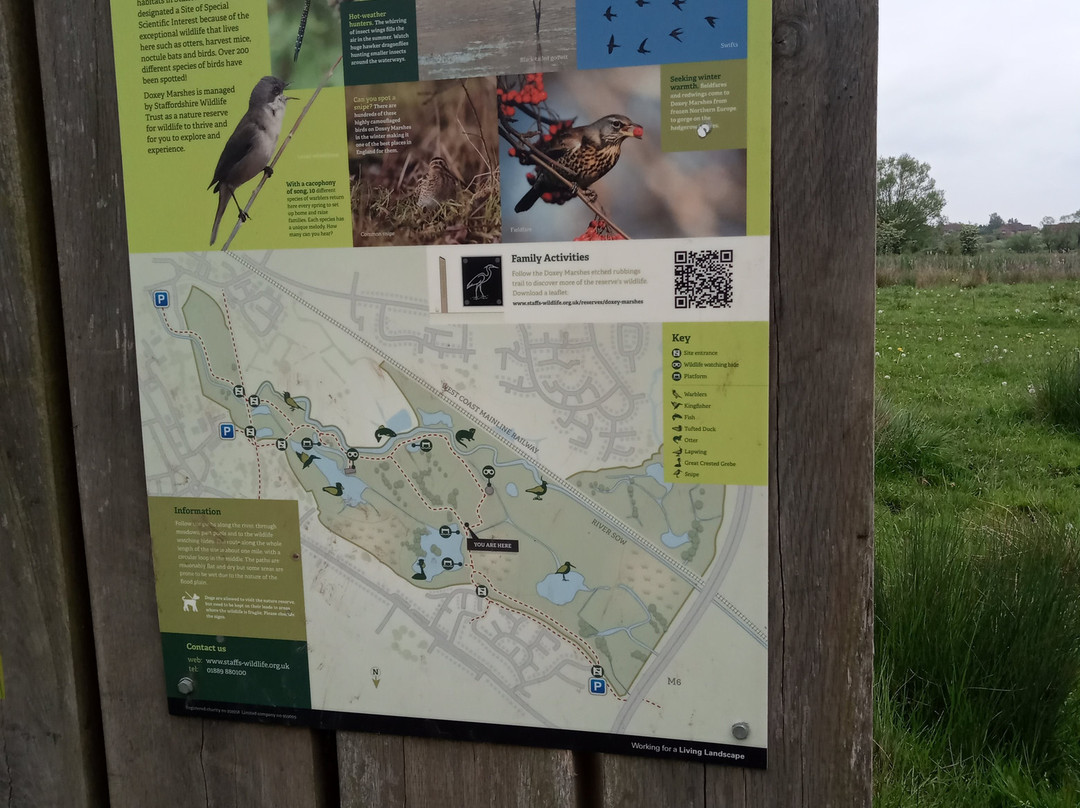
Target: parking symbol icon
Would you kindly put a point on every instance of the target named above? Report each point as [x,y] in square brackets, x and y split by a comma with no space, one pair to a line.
[598,687]
[227,431]
[161,299]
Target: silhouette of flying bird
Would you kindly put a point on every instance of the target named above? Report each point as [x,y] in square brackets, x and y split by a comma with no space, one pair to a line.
[642,3]
[609,14]
[611,46]
[675,34]
[711,21]
[641,48]
[678,4]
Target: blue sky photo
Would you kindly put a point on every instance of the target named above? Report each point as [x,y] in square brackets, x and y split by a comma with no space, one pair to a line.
[672,31]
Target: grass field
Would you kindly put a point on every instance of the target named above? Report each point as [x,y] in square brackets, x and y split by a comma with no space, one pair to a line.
[977,637]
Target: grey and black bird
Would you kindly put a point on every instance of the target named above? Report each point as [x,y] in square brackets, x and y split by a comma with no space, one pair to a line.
[249,148]
[583,155]
[437,185]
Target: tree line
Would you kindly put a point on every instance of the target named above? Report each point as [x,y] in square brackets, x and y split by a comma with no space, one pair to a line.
[910,219]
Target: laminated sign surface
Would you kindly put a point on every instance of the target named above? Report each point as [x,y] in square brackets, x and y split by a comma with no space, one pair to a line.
[452,330]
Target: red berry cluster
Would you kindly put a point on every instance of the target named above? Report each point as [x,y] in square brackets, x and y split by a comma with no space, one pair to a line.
[598,230]
[531,92]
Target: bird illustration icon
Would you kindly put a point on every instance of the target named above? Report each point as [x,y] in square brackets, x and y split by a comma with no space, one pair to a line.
[249,148]
[420,576]
[565,568]
[641,48]
[477,281]
[335,490]
[678,4]
[583,155]
[711,21]
[676,34]
[609,14]
[438,185]
[538,491]
[287,397]
[306,459]
[642,3]
[612,45]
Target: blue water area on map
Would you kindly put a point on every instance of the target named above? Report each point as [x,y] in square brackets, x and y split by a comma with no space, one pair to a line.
[449,547]
[673,541]
[265,432]
[511,489]
[262,409]
[435,419]
[400,421]
[558,591]
[656,471]
[633,28]
[352,487]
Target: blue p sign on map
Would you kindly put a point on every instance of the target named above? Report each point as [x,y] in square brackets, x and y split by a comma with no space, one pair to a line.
[227,431]
[161,299]
[598,687]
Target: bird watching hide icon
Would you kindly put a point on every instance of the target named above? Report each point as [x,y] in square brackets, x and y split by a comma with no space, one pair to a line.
[481,280]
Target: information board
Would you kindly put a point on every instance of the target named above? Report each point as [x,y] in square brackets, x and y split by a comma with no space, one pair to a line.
[454,381]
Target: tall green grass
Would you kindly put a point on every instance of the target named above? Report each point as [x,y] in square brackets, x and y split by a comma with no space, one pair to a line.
[905,443]
[976,633]
[1057,396]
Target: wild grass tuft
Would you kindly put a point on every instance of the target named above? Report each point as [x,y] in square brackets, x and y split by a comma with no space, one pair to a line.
[1057,396]
[976,631]
[905,443]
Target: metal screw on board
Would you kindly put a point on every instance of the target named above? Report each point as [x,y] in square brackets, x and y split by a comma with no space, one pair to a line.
[186,685]
[741,730]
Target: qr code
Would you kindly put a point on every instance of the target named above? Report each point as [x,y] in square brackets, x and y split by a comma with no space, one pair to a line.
[703,279]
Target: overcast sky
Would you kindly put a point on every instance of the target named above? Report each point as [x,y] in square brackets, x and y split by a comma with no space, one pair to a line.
[988,94]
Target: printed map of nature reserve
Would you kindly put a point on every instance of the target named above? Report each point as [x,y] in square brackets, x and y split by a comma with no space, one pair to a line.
[368,515]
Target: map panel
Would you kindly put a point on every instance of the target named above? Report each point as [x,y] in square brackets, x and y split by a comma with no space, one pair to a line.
[452,335]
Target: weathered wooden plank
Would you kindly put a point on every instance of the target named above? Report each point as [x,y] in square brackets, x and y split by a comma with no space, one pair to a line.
[656,783]
[420,772]
[50,728]
[153,759]
[821,565]
[821,508]
[371,769]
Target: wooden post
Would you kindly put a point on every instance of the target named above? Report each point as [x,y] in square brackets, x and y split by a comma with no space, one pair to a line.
[50,725]
[824,89]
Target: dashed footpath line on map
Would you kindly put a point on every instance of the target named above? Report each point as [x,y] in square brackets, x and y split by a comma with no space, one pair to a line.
[228,382]
[684,572]
[247,404]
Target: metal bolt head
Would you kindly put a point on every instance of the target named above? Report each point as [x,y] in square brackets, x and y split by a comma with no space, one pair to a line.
[740,730]
[186,685]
